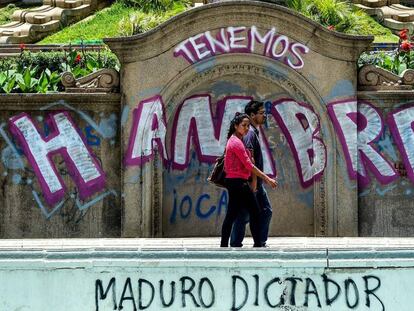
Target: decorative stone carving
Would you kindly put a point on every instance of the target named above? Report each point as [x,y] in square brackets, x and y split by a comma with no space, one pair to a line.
[372,78]
[104,80]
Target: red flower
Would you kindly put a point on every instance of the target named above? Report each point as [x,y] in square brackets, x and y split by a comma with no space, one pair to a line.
[403,34]
[78,58]
[331,27]
[406,46]
[22,46]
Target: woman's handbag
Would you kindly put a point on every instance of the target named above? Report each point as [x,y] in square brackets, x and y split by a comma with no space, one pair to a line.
[218,175]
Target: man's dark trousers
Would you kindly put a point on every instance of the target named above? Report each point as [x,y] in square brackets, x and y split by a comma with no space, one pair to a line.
[239,226]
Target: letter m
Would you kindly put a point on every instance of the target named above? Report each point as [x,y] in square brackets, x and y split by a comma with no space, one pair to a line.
[101,295]
[65,140]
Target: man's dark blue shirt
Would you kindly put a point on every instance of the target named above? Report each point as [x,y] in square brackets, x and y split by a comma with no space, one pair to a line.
[251,141]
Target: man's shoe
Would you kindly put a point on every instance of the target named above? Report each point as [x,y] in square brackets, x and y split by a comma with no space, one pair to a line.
[234,245]
[264,245]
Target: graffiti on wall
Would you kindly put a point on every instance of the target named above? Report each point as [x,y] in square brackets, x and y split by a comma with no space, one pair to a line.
[202,206]
[246,293]
[357,126]
[242,39]
[63,139]
[40,141]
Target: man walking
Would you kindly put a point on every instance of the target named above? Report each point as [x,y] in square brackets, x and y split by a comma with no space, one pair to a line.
[257,114]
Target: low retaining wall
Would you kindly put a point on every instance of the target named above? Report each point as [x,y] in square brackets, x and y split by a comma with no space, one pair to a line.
[298,274]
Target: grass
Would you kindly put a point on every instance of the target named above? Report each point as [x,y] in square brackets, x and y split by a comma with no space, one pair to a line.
[101,25]
[366,25]
[110,22]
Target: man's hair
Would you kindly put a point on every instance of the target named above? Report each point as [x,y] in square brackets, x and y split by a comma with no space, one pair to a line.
[253,106]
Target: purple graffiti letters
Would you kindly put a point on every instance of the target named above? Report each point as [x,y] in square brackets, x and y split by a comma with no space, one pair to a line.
[401,123]
[194,119]
[301,127]
[194,123]
[242,39]
[148,126]
[65,140]
[358,127]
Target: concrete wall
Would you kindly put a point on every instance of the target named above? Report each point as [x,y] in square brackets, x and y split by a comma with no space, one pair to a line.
[136,275]
[83,168]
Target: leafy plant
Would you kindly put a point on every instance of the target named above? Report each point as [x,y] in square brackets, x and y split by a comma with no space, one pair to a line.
[140,22]
[396,61]
[9,80]
[26,80]
[40,72]
[341,16]
[326,12]
[155,6]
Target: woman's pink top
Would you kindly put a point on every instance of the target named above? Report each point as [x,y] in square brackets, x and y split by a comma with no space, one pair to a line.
[237,163]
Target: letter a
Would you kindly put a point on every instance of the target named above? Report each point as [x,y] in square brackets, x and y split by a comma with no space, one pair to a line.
[148,126]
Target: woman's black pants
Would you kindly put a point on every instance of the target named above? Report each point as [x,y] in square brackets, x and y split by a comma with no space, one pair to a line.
[240,197]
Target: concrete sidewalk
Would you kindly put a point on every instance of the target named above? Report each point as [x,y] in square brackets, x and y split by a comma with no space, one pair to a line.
[275,243]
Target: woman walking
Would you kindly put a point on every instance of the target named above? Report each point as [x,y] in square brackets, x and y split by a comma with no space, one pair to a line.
[239,168]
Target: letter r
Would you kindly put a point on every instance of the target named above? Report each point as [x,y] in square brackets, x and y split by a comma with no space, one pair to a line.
[65,140]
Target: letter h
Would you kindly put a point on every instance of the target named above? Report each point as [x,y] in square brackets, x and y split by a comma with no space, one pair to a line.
[65,140]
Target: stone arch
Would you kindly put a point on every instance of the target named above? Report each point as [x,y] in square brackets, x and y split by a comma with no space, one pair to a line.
[299,88]
[151,68]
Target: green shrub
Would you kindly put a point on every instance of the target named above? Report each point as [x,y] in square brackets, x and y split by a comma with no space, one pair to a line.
[396,61]
[40,72]
[155,6]
[325,12]
[140,22]
[6,13]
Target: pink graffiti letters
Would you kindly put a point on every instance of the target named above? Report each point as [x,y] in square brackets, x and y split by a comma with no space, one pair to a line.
[194,119]
[300,125]
[241,39]
[346,130]
[65,140]
[358,127]
[401,123]
[148,127]
[194,123]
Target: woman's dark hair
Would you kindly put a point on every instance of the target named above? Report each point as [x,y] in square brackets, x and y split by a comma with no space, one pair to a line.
[238,118]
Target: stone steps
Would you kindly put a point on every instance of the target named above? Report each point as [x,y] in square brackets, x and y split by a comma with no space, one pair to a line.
[390,13]
[31,25]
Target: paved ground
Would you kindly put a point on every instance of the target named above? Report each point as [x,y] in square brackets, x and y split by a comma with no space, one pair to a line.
[207,243]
